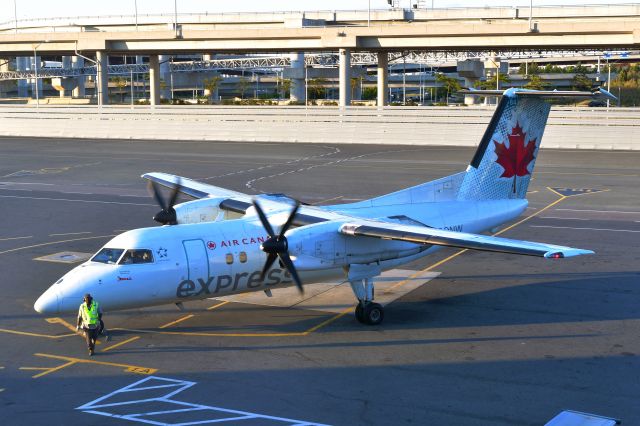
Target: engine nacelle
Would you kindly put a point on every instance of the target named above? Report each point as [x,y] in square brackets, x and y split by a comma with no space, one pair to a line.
[198,211]
[322,246]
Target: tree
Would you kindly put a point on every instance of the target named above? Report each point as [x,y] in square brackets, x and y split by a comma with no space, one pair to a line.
[243,85]
[450,83]
[536,83]
[355,82]
[490,83]
[285,85]
[316,88]
[211,85]
[581,82]
[120,83]
[529,69]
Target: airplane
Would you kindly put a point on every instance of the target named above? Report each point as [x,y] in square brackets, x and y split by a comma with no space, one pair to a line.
[226,242]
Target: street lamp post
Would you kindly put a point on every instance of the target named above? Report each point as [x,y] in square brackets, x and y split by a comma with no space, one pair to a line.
[15,16]
[135,5]
[35,68]
[175,14]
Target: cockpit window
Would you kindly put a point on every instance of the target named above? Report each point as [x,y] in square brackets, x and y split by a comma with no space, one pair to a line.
[108,255]
[135,256]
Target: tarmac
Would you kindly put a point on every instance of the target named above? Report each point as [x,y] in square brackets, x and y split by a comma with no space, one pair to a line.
[484,338]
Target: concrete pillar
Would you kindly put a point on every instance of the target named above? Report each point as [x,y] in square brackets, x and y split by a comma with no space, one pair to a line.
[66,63]
[165,77]
[23,85]
[298,89]
[34,65]
[102,79]
[383,79]
[345,77]
[207,92]
[4,85]
[78,91]
[154,80]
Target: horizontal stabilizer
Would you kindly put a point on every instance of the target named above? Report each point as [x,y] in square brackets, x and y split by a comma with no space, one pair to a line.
[599,93]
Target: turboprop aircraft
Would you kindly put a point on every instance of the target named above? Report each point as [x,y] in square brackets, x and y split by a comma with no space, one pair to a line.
[226,242]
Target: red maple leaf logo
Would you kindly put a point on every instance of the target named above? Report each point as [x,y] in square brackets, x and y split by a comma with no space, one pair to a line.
[516,158]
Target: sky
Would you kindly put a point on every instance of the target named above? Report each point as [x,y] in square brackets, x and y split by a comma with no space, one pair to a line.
[28,9]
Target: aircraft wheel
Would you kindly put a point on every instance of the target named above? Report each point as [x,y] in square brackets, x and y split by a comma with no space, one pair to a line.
[373,314]
[360,313]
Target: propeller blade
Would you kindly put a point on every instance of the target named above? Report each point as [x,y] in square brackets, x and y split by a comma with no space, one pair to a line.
[286,261]
[155,192]
[289,221]
[270,259]
[263,219]
[174,194]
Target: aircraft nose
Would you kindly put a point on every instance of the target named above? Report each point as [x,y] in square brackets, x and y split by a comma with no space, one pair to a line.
[47,303]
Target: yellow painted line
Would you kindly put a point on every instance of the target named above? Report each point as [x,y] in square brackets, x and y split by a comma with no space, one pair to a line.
[48,370]
[177,321]
[58,320]
[198,333]
[128,368]
[25,333]
[54,242]
[124,342]
[327,322]
[211,308]
[15,238]
[69,233]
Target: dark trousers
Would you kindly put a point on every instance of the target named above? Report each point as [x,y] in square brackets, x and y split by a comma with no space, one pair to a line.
[91,334]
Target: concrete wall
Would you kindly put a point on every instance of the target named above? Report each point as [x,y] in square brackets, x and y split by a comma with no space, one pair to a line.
[584,128]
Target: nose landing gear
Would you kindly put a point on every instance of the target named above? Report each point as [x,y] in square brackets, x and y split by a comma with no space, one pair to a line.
[367,311]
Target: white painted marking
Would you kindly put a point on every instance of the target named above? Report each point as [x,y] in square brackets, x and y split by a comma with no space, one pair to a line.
[207,414]
[585,229]
[77,201]
[597,211]
[26,183]
[70,233]
[15,238]
[564,218]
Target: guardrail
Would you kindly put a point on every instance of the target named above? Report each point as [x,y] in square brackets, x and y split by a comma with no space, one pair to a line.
[568,127]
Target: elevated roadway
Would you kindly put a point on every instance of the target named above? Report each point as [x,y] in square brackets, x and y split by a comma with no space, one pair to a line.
[442,29]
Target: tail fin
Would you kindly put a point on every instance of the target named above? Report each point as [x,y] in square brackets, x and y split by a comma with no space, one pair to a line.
[503,163]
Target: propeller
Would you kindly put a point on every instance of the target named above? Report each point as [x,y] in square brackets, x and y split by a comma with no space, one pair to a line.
[168,214]
[276,246]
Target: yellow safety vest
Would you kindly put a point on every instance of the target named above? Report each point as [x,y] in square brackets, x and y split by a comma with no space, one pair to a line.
[90,316]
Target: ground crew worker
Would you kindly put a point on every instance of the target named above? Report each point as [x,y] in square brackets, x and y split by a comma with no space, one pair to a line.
[90,318]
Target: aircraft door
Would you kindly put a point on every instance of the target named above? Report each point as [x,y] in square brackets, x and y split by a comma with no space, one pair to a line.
[197,259]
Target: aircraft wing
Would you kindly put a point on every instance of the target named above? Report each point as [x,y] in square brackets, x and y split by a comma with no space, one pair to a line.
[239,202]
[191,187]
[440,237]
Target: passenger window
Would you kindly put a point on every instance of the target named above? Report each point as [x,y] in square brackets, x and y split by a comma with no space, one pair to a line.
[243,257]
[136,256]
[229,258]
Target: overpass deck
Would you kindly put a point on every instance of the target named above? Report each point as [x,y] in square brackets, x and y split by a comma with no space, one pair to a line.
[612,26]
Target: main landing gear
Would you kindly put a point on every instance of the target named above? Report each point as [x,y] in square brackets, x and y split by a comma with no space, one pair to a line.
[367,311]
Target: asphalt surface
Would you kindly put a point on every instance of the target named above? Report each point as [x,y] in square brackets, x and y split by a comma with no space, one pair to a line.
[495,339]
